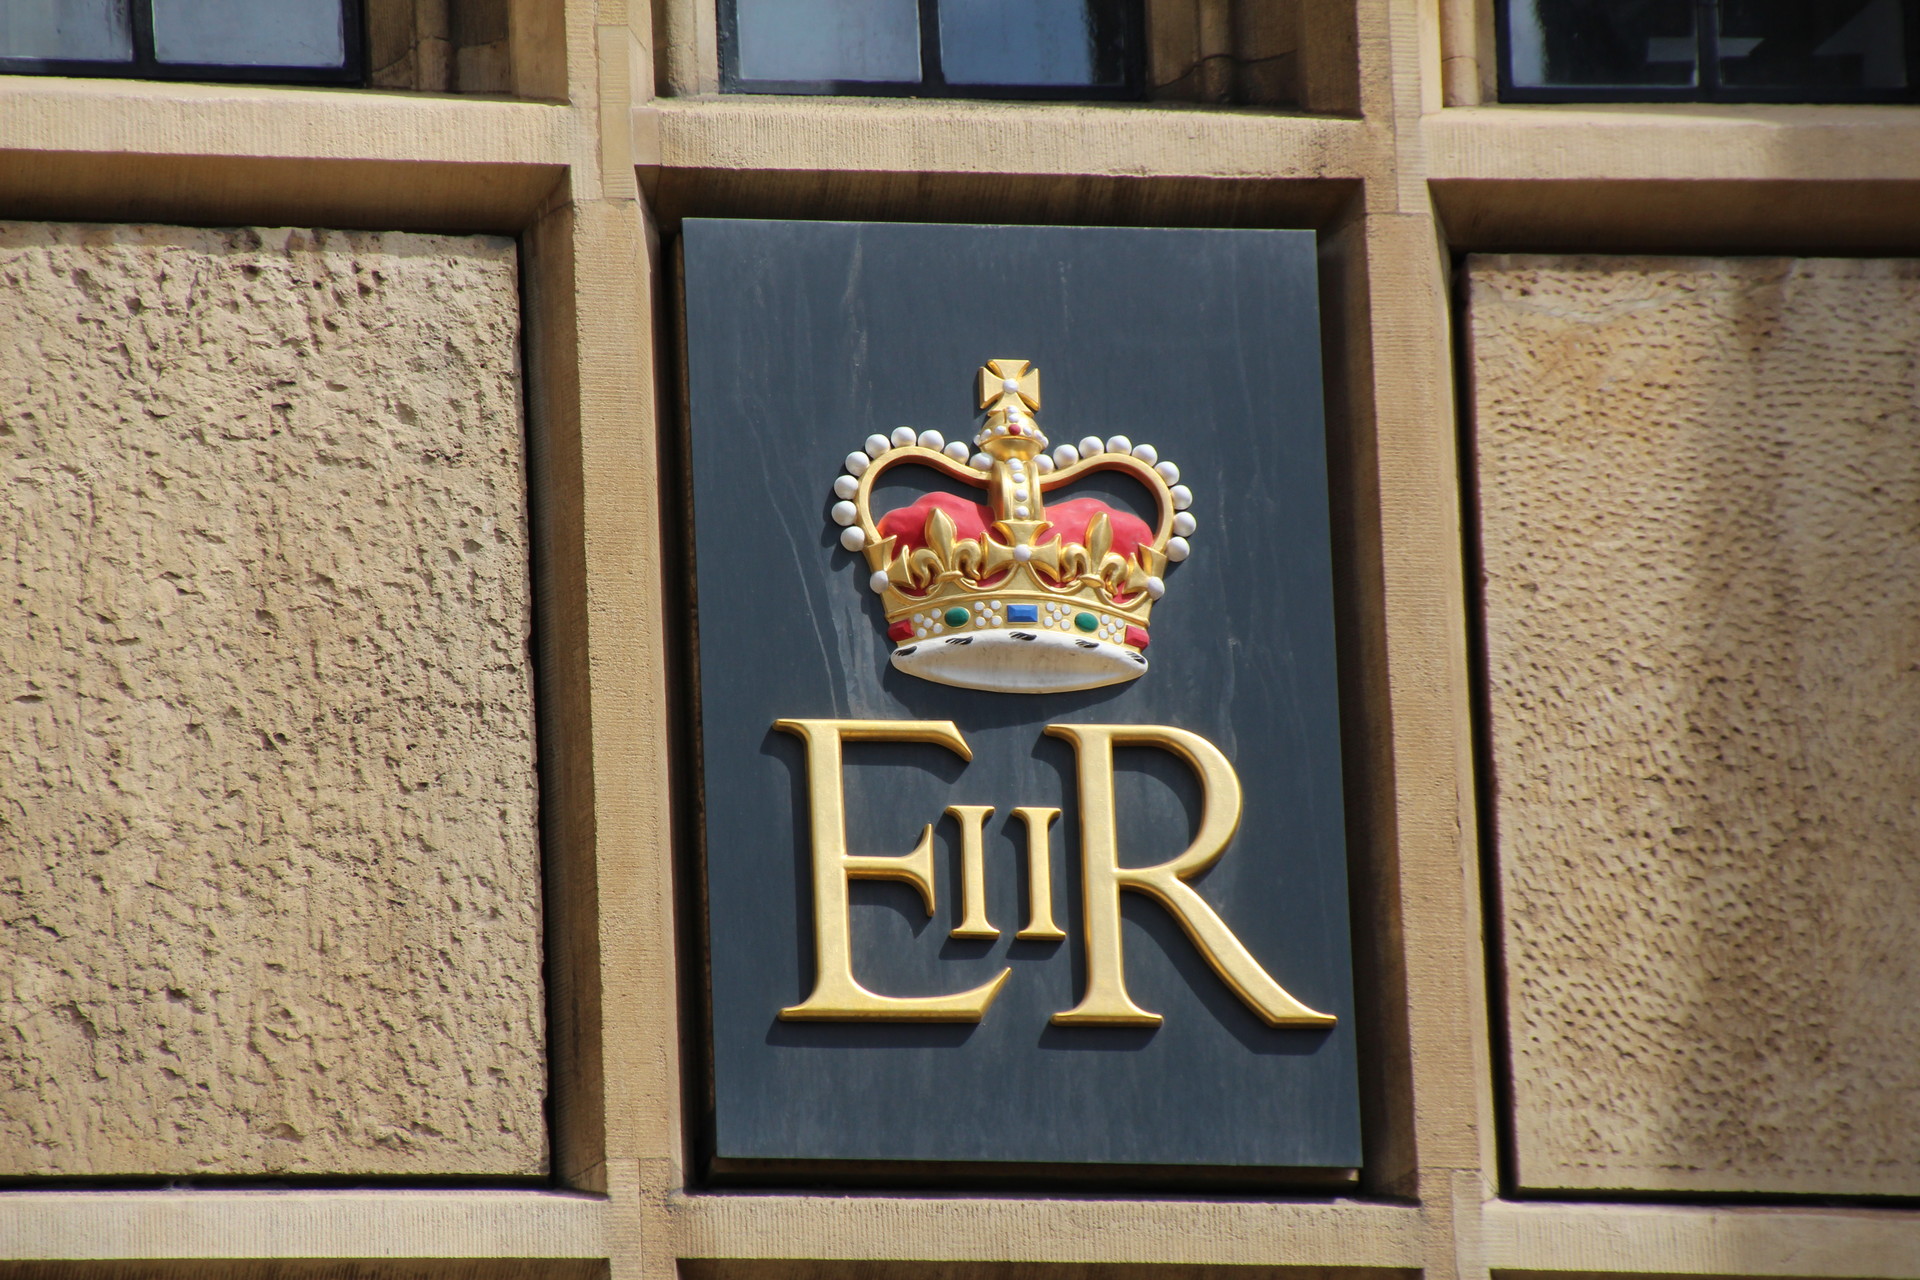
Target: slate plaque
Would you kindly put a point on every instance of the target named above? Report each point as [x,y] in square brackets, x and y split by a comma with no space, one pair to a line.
[805,338]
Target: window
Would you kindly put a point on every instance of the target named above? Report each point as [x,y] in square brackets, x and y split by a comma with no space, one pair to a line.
[934,48]
[1707,50]
[299,41]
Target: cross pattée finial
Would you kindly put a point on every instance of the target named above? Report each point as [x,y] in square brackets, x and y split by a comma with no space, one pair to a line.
[1009,384]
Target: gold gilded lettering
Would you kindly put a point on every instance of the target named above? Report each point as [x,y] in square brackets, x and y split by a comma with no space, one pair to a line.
[837,994]
[1105,1001]
[1040,926]
[973,872]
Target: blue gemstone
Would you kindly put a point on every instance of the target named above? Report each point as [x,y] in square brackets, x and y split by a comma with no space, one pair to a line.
[1023,613]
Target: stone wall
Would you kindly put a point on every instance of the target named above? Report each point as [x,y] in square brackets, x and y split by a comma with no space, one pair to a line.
[269,878]
[1699,490]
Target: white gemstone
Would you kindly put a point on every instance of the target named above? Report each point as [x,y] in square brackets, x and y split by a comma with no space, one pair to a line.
[920,633]
[1119,444]
[1106,619]
[1016,466]
[1065,456]
[919,619]
[877,444]
[878,581]
[1019,495]
[980,462]
[1020,513]
[1009,384]
[980,606]
[936,628]
[853,538]
[1182,497]
[995,619]
[904,436]
[845,487]
[858,463]
[1023,554]
[1177,549]
[932,440]
[1146,453]
[1043,464]
[1168,472]
[1014,415]
[1183,524]
[957,450]
[1090,446]
[845,513]
[996,606]
[1156,588]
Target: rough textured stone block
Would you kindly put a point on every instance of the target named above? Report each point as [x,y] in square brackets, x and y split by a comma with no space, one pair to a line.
[269,881]
[1700,504]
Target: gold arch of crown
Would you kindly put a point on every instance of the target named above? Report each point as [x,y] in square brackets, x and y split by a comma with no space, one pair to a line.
[1029,567]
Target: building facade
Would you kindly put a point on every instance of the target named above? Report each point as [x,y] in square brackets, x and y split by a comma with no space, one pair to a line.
[350,822]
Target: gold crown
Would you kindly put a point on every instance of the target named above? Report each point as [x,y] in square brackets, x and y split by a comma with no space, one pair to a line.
[1013,595]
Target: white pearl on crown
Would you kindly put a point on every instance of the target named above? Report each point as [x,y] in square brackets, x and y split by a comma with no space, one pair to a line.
[1023,554]
[1156,588]
[858,462]
[853,538]
[845,513]
[957,450]
[1183,524]
[1178,549]
[904,436]
[878,582]
[1009,384]
[1043,464]
[1091,446]
[1146,453]
[877,444]
[1182,497]
[1119,444]
[932,440]
[1168,472]
[980,462]
[845,487]
[1065,456]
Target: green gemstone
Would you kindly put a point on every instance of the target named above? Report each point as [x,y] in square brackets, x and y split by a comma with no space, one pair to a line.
[957,616]
[1085,621]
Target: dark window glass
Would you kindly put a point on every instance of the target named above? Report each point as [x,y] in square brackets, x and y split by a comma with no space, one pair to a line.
[1712,50]
[89,29]
[953,48]
[860,40]
[250,33]
[1600,42]
[311,41]
[1842,48]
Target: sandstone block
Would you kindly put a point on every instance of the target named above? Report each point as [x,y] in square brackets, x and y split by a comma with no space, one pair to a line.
[269,878]
[1700,506]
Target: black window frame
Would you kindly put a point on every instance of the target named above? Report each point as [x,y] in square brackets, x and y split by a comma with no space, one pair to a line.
[145,66]
[1708,86]
[933,82]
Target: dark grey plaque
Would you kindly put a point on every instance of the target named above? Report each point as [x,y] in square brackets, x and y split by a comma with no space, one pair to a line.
[804,338]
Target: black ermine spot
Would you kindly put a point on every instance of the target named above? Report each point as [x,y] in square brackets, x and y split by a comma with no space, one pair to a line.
[961,640]
[1023,635]
[902,653]
[1087,644]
